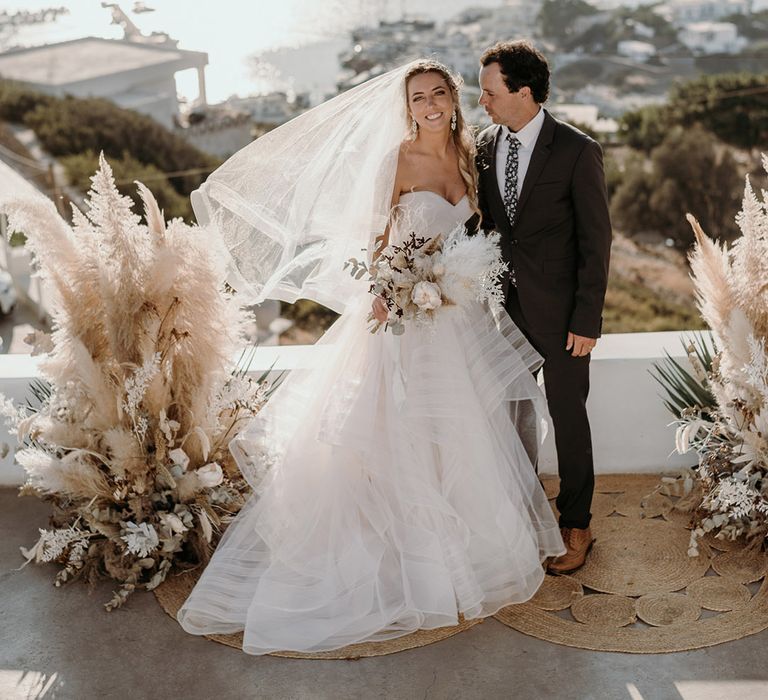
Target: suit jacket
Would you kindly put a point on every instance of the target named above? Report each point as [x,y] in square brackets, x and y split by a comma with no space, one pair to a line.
[560,242]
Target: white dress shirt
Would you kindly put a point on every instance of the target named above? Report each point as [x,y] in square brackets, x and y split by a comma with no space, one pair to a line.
[527,137]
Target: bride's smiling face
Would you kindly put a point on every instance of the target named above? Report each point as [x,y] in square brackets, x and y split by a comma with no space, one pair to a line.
[430,101]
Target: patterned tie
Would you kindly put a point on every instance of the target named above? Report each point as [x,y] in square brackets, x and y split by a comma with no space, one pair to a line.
[510,189]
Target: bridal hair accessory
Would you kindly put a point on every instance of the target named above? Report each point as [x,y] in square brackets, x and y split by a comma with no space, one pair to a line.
[453,121]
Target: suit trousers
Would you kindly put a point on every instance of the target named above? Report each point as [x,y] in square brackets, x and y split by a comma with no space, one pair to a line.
[566,383]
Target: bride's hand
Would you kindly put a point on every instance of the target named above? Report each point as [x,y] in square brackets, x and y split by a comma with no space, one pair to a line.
[379,310]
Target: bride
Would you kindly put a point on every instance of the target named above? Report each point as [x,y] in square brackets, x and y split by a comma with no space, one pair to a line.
[391,490]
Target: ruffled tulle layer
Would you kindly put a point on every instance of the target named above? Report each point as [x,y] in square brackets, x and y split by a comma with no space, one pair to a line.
[399,493]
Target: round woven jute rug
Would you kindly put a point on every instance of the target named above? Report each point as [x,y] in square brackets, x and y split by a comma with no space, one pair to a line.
[639,591]
[172,593]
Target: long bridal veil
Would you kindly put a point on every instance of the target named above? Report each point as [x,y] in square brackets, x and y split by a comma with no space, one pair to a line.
[296,203]
[290,208]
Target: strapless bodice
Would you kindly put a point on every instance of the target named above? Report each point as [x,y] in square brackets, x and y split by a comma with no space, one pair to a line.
[429,214]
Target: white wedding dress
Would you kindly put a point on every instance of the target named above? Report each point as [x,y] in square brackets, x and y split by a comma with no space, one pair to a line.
[400,494]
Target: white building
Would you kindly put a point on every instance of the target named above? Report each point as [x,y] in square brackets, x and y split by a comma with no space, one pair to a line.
[271,109]
[521,16]
[684,12]
[642,30]
[135,75]
[455,50]
[712,37]
[586,22]
[639,51]
[585,115]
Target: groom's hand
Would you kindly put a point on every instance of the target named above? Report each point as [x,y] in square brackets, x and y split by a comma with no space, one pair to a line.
[578,345]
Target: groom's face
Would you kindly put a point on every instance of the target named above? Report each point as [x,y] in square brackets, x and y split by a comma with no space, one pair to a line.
[501,105]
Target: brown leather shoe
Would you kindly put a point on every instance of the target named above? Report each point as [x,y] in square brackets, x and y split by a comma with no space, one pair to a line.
[578,542]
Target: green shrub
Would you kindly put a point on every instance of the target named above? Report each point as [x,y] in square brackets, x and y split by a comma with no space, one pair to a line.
[645,128]
[690,172]
[127,169]
[17,101]
[309,315]
[734,106]
[633,308]
[70,126]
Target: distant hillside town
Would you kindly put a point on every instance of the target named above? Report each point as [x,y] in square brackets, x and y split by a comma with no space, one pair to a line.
[607,58]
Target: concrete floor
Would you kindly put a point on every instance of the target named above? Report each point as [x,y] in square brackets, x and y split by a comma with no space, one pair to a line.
[60,643]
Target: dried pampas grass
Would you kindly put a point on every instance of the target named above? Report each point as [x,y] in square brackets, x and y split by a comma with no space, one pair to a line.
[732,439]
[140,390]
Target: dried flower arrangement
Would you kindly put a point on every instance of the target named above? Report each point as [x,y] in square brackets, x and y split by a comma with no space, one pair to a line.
[728,423]
[127,434]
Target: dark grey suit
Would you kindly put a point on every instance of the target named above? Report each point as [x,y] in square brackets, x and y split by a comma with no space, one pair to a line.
[559,246]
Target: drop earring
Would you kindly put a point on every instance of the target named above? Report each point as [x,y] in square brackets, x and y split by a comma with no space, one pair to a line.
[414,127]
[453,121]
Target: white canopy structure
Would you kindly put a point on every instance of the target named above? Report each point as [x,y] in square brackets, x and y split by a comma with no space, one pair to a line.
[135,75]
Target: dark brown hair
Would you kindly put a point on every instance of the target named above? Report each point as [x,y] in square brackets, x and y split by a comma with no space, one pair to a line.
[522,65]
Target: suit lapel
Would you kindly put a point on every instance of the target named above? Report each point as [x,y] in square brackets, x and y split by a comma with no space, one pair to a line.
[539,157]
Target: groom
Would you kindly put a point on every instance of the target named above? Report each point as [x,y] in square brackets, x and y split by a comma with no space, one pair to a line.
[541,185]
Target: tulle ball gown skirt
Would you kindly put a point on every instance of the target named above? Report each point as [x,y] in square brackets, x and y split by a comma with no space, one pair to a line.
[398,493]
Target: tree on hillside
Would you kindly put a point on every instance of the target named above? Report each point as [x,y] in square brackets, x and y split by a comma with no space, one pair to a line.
[664,32]
[752,26]
[734,106]
[621,25]
[691,171]
[556,17]
[645,128]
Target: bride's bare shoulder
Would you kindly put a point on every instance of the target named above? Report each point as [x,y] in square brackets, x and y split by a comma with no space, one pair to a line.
[405,164]
[405,150]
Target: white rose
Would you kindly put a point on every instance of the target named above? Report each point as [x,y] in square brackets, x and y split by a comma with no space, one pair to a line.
[210,475]
[179,457]
[426,295]
[399,261]
[402,279]
[383,270]
[173,522]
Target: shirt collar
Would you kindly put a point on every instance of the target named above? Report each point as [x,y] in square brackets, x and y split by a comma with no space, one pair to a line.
[530,132]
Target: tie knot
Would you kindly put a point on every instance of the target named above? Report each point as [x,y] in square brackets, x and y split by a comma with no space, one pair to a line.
[514,142]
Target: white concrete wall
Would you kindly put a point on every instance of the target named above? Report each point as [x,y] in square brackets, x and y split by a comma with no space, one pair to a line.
[15,374]
[630,426]
[629,422]
[29,288]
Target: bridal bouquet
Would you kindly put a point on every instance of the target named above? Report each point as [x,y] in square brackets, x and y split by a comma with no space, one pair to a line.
[421,275]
